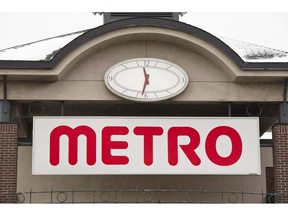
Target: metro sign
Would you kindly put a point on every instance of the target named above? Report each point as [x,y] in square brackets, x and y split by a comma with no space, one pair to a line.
[145,145]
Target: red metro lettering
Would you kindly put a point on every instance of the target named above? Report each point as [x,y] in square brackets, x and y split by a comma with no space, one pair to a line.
[108,145]
[148,133]
[171,142]
[236,143]
[189,149]
[72,135]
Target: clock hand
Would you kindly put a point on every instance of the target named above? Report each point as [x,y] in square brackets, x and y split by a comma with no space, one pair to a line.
[146,76]
[146,82]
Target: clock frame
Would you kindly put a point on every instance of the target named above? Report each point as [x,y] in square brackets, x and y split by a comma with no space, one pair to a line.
[146,79]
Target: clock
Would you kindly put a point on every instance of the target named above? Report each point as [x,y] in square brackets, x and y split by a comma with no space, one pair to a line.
[146,79]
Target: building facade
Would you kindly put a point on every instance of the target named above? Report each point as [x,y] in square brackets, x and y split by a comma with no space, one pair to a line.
[72,84]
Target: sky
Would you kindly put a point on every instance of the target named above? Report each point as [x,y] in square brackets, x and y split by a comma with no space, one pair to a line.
[257,22]
[261,28]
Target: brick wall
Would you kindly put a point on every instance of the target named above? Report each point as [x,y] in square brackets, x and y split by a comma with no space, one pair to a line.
[280,155]
[8,162]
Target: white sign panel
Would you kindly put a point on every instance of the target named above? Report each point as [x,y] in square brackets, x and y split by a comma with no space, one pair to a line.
[145,145]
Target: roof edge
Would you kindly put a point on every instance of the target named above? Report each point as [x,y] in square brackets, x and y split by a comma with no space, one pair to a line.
[142,22]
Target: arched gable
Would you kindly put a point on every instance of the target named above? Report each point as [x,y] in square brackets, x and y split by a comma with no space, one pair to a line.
[137,29]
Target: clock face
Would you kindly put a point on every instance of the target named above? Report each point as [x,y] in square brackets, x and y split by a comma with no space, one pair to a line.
[146,79]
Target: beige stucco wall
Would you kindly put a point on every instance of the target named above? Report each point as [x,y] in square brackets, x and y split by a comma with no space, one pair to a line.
[251,184]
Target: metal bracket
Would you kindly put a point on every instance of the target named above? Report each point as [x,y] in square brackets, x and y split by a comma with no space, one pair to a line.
[283,108]
[5,105]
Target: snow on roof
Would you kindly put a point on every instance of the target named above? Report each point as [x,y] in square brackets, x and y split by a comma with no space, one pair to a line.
[46,49]
[42,50]
[255,53]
